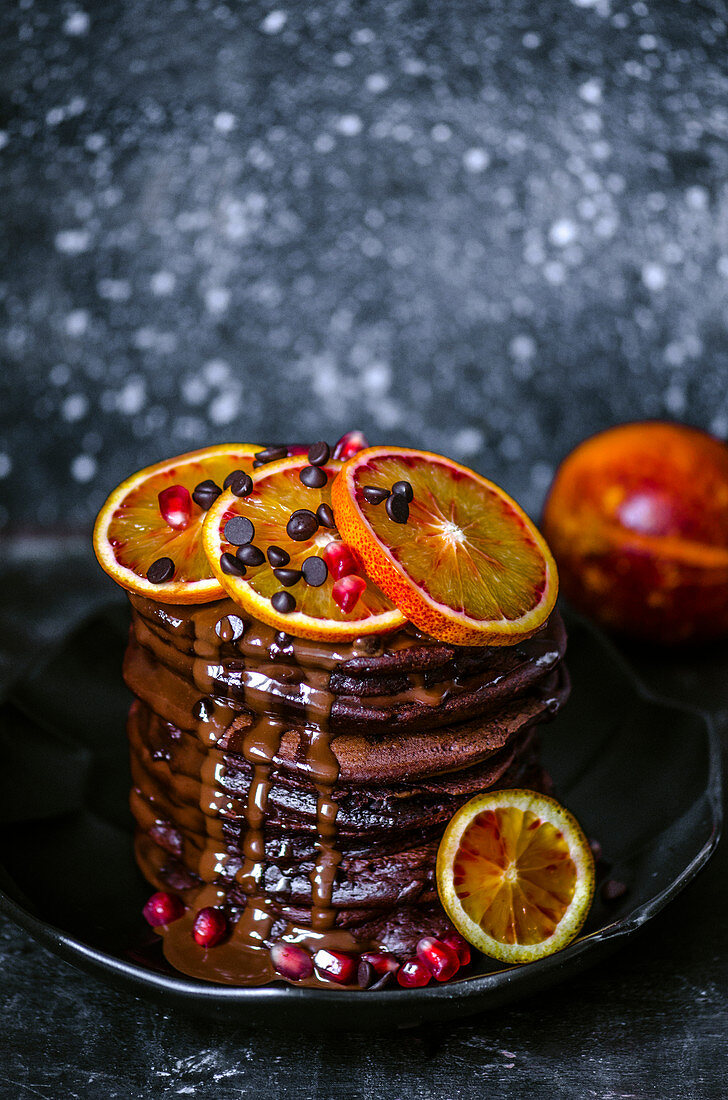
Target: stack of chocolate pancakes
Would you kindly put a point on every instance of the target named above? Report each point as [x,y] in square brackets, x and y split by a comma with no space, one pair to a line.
[303,786]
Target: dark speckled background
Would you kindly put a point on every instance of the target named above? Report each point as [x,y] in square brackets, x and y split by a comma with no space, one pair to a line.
[488,229]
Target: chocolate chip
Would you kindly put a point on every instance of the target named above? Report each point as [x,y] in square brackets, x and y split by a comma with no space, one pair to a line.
[277,557]
[283,602]
[239,531]
[315,571]
[374,495]
[230,565]
[319,454]
[160,571]
[613,890]
[240,483]
[325,516]
[229,628]
[313,477]
[256,464]
[403,489]
[250,555]
[365,974]
[206,493]
[288,577]
[270,454]
[302,525]
[397,508]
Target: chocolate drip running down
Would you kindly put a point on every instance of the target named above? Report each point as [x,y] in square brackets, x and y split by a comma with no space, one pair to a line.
[303,786]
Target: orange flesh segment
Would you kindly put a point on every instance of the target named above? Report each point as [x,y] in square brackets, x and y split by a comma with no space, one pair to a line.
[467,550]
[139,533]
[514,875]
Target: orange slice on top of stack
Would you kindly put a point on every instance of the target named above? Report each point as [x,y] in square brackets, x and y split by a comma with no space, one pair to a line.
[278,554]
[148,535]
[450,549]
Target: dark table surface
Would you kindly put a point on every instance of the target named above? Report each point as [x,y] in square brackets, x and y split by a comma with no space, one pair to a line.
[650,1022]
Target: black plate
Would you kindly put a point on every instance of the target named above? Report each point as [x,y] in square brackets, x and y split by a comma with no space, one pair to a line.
[642,776]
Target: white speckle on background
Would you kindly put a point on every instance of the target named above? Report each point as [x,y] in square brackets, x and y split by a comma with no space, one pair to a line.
[440,132]
[468,441]
[349,125]
[675,401]
[274,22]
[324,143]
[562,233]
[554,272]
[162,283]
[522,347]
[83,468]
[4,139]
[697,198]
[73,241]
[194,390]
[225,122]
[76,322]
[531,40]
[132,396]
[224,408]
[74,407]
[654,277]
[77,24]
[377,83]
[6,464]
[591,91]
[475,160]
[216,372]
[342,59]
[217,299]
[376,379]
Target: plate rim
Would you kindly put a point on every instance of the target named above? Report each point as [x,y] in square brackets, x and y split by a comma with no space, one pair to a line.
[193,991]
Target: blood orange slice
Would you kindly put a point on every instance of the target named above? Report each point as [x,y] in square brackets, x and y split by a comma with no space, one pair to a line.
[450,549]
[277,553]
[154,517]
[515,874]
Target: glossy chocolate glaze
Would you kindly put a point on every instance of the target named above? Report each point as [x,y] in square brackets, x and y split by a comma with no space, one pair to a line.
[302,786]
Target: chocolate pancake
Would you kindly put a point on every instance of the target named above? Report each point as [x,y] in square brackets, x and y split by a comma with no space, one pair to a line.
[304,786]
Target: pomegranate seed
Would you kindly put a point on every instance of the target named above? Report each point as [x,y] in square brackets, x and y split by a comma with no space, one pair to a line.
[347,591]
[336,966]
[291,961]
[210,926]
[341,560]
[441,960]
[162,909]
[460,946]
[350,444]
[175,504]
[381,962]
[413,973]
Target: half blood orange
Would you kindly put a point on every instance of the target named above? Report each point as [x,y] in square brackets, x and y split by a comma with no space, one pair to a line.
[154,517]
[515,874]
[460,558]
[277,553]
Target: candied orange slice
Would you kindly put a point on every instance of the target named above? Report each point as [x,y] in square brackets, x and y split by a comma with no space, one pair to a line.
[277,553]
[152,518]
[515,874]
[460,558]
